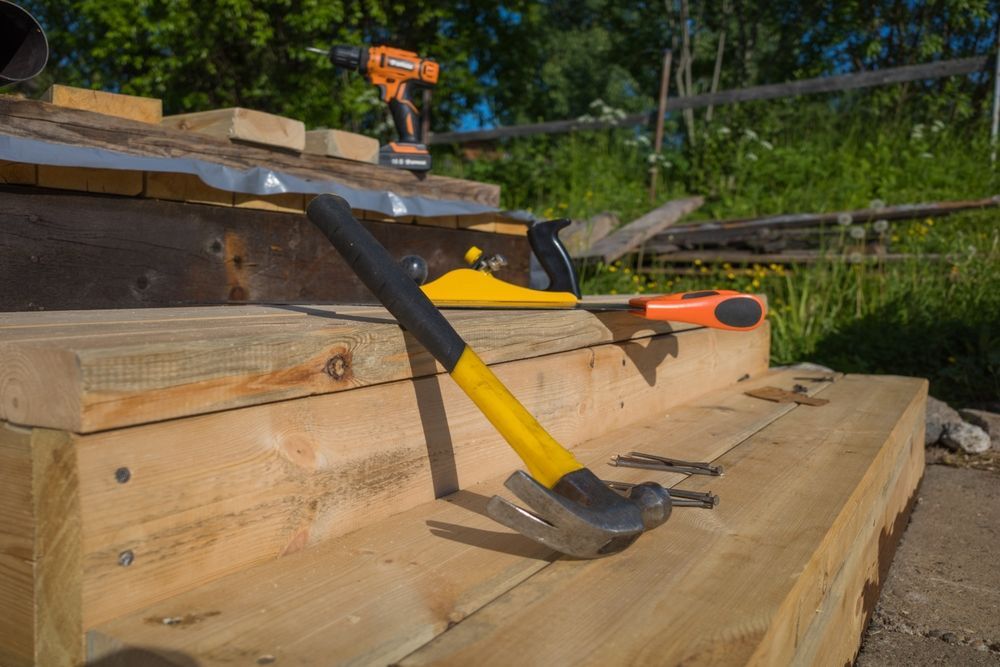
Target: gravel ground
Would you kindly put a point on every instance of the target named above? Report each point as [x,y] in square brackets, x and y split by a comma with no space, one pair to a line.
[941,601]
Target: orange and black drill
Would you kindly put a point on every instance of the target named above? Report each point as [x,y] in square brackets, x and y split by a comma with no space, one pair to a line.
[396,73]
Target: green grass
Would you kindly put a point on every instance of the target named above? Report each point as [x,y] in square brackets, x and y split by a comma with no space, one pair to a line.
[935,319]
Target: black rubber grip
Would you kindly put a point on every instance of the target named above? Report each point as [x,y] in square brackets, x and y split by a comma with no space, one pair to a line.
[543,237]
[739,312]
[386,279]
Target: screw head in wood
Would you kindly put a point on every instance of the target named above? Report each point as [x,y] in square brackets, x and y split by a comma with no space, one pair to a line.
[126,558]
[123,475]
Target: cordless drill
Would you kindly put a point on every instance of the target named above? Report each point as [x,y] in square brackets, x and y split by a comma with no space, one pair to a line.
[396,73]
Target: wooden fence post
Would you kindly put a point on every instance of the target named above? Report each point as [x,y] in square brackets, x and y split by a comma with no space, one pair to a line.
[654,169]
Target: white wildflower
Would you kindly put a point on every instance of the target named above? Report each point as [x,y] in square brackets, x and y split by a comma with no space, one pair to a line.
[750,134]
[857,232]
[644,140]
[876,204]
[724,131]
[844,219]
[881,226]
[752,157]
[651,158]
[937,126]
[855,258]
[918,132]
[767,145]
[927,156]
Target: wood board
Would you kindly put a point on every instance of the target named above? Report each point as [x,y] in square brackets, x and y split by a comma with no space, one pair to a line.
[342,144]
[132,107]
[284,476]
[766,578]
[86,372]
[243,125]
[630,237]
[78,252]
[38,120]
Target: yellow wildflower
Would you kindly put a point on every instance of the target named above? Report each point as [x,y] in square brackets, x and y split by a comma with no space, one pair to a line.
[612,269]
[697,262]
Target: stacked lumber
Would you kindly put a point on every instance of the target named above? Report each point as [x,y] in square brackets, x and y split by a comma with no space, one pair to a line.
[236,137]
[209,485]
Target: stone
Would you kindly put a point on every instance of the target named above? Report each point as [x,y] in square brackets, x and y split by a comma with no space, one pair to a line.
[962,436]
[939,415]
[988,421]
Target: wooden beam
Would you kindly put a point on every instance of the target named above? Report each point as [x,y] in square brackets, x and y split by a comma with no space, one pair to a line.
[89,371]
[824,84]
[40,567]
[790,257]
[444,570]
[342,144]
[718,230]
[400,582]
[141,109]
[38,120]
[581,234]
[243,125]
[786,570]
[280,477]
[634,234]
[83,252]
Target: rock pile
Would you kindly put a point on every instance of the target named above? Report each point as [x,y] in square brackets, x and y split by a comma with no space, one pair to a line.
[975,434]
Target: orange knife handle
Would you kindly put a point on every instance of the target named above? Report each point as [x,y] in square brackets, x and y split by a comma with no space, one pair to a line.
[718,309]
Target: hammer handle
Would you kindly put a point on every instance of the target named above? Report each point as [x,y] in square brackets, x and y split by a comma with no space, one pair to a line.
[547,461]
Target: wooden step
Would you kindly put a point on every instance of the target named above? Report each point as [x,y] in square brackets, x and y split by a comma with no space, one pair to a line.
[786,569]
[345,421]
[113,368]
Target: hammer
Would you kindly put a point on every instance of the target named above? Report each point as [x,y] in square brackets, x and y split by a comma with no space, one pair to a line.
[569,508]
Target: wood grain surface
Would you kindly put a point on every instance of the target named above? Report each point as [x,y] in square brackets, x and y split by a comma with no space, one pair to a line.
[66,251]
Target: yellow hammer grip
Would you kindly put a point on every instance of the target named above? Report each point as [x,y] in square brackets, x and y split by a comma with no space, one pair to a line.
[547,461]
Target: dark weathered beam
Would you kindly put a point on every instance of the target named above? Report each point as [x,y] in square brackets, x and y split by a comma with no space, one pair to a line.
[48,122]
[76,251]
[825,84]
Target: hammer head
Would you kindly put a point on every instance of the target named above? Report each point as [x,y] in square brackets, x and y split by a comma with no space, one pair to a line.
[580,516]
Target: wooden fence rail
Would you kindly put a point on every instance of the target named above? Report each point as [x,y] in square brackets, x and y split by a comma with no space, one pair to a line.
[825,84]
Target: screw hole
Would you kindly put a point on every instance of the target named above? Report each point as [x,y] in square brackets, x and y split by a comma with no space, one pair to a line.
[123,475]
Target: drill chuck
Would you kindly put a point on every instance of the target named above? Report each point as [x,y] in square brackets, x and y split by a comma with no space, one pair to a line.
[350,57]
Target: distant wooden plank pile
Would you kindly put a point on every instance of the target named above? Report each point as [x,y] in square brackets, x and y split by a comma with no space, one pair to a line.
[801,238]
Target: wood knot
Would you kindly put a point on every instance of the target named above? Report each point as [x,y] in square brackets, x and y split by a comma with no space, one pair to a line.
[338,366]
[237,293]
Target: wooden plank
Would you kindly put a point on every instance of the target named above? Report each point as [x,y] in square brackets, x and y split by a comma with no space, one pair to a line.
[288,202]
[485,222]
[243,125]
[447,221]
[580,235]
[142,109]
[17,548]
[18,173]
[746,583]
[184,187]
[791,257]
[284,476]
[83,179]
[98,377]
[718,230]
[37,120]
[342,144]
[512,228]
[634,234]
[40,552]
[823,84]
[73,252]
[400,582]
